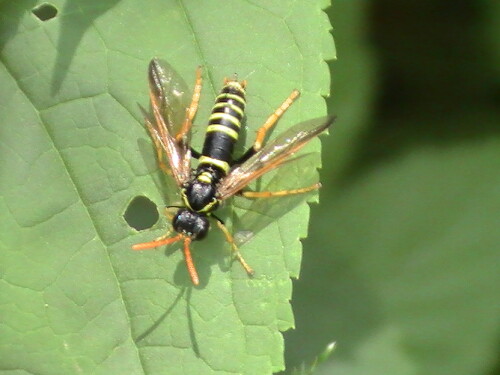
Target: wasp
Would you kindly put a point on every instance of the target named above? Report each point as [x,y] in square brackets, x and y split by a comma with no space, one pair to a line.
[217,176]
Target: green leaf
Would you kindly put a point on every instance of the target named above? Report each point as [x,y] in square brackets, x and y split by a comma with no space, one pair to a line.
[74,153]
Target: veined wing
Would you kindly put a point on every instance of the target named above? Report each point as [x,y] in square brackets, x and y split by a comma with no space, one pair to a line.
[250,216]
[171,92]
[169,100]
[272,155]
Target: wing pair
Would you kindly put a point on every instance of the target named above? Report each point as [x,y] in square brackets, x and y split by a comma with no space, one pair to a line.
[169,98]
[170,105]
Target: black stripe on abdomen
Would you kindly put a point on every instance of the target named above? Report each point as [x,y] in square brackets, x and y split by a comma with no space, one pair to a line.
[218,145]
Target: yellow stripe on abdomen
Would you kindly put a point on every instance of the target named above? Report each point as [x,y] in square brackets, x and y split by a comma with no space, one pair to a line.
[224,129]
[221,164]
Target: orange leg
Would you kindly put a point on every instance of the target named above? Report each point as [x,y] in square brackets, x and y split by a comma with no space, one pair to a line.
[235,249]
[167,241]
[160,241]
[281,193]
[273,119]
[189,262]
[193,107]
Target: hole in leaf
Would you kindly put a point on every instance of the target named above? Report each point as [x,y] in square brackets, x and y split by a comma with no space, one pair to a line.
[45,11]
[141,213]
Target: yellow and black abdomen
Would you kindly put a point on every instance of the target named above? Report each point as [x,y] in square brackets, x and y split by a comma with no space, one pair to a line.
[224,127]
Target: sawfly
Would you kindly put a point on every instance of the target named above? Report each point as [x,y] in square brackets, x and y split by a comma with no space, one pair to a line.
[217,176]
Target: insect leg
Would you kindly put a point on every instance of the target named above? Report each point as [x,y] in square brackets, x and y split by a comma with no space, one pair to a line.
[193,107]
[189,262]
[270,122]
[235,249]
[281,193]
[160,241]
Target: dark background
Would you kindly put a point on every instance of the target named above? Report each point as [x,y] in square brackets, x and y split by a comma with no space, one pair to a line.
[400,268]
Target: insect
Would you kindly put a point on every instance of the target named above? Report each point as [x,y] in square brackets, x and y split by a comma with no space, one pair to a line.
[218,176]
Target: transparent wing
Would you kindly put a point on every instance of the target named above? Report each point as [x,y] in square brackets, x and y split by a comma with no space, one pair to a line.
[250,216]
[272,155]
[169,100]
[171,92]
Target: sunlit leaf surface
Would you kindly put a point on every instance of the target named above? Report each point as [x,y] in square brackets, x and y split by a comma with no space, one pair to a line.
[74,153]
